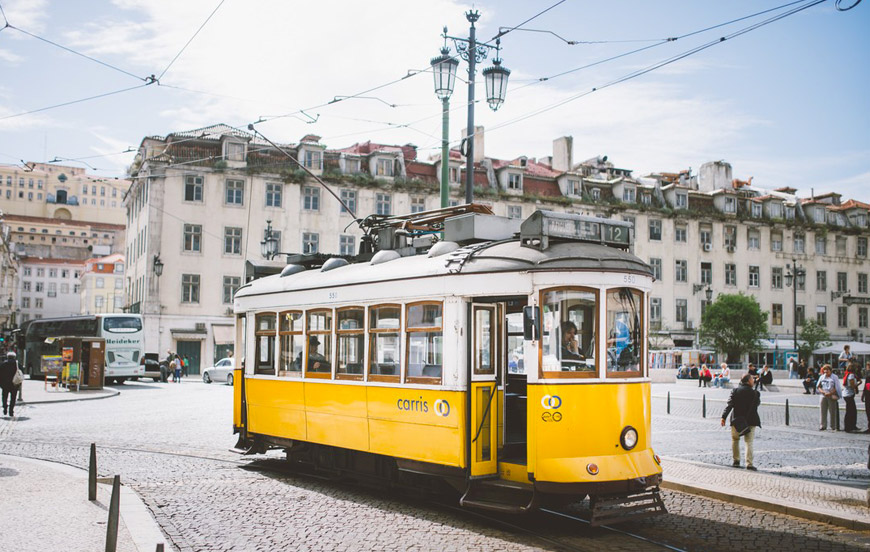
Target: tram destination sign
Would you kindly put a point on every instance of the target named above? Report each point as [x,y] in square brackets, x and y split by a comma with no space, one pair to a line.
[543,225]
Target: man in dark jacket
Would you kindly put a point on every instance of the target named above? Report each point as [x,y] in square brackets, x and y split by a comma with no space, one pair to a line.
[743,405]
[7,371]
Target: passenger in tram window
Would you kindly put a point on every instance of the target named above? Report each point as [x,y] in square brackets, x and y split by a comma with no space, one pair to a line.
[571,355]
[316,361]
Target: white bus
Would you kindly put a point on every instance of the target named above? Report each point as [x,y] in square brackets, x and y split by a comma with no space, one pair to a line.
[122,332]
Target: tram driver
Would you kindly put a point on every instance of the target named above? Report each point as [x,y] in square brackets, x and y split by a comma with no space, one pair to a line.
[572,358]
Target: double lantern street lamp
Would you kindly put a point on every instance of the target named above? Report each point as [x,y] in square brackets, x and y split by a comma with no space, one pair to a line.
[444,71]
[796,277]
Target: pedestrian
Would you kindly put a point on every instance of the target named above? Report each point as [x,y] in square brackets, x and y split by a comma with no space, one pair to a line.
[176,374]
[752,371]
[810,381]
[845,357]
[743,407]
[165,370]
[802,369]
[851,380]
[865,396]
[765,378]
[186,366]
[8,376]
[723,377]
[830,390]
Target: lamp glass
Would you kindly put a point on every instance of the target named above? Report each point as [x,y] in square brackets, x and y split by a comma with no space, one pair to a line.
[801,277]
[496,78]
[444,73]
[788,278]
[709,293]
[158,266]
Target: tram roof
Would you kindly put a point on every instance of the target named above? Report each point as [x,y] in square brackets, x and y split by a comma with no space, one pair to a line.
[490,257]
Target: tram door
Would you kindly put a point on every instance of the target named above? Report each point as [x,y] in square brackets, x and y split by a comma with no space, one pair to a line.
[484,390]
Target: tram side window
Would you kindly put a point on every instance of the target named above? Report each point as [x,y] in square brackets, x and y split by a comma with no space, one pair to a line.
[319,344]
[569,331]
[384,329]
[265,332]
[425,342]
[350,346]
[624,327]
[292,343]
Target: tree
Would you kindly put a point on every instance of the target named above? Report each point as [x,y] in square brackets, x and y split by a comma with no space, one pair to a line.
[813,335]
[733,324]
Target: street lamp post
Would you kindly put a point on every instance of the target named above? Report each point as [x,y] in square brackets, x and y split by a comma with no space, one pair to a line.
[496,78]
[444,72]
[795,277]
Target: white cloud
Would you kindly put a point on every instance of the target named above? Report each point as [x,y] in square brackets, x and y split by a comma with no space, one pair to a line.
[29,15]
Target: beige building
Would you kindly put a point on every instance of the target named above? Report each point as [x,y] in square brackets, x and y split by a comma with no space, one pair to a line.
[48,288]
[201,201]
[102,285]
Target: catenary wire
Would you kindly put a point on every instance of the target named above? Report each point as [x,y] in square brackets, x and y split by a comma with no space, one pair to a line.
[207,19]
[89,98]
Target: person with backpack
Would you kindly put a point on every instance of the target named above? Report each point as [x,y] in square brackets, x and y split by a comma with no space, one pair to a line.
[10,382]
[743,407]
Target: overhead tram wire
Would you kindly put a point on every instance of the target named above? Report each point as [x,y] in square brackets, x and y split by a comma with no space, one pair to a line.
[501,33]
[191,39]
[89,98]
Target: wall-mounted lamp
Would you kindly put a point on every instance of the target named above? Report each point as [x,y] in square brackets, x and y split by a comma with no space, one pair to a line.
[708,293]
[158,265]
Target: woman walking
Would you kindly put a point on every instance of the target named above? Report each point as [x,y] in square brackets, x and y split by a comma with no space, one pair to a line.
[8,371]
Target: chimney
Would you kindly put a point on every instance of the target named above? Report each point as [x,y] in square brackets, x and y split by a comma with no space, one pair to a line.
[562,153]
[478,143]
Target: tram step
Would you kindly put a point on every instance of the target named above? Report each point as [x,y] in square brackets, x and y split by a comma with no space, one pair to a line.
[504,498]
[619,508]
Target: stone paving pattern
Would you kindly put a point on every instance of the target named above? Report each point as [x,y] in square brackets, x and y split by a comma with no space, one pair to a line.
[204,500]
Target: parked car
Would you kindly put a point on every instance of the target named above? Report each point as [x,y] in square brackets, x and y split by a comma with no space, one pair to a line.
[153,368]
[221,371]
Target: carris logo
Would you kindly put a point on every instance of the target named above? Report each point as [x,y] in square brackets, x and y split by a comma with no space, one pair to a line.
[442,408]
[551,402]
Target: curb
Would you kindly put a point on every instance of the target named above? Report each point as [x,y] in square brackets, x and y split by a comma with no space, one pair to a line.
[111,393]
[832,519]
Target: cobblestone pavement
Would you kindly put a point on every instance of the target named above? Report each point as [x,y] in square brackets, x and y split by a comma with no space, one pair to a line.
[170,444]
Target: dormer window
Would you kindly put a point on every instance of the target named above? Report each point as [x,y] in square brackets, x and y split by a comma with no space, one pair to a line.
[515,181]
[313,159]
[352,166]
[859,219]
[775,210]
[819,215]
[646,199]
[682,201]
[789,213]
[234,151]
[596,194]
[574,188]
[384,167]
[629,194]
[453,174]
[730,205]
[756,210]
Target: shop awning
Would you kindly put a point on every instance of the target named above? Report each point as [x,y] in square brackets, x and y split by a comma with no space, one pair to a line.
[186,334]
[223,334]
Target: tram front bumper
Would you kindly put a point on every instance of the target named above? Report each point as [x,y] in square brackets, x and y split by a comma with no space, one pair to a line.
[638,467]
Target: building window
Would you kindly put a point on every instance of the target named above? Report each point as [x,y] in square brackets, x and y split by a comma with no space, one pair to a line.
[310,243]
[756,210]
[655,230]
[682,310]
[100,283]
[232,241]
[776,314]
[192,188]
[515,181]
[190,288]
[655,309]
[799,243]
[64,288]
[235,192]
[99,301]
[349,199]
[26,269]
[314,159]
[574,188]
[629,194]
[25,286]
[819,215]
[681,271]
[119,283]
[776,241]
[682,201]
[862,318]
[453,174]
[193,237]
[515,211]
[800,315]
[730,233]
[730,205]
[775,210]
[52,273]
[39,287]
[862,247]
[842,281]
[37,303]
[840,245]
[596,194]
[842,317]
[418,204]
[346,245]
[384,167]
[821,245]
[776,277]
[231,284]
[234,151]
[822,315]
[274,191]
[311,198]
[789,213]
[754,239]
[656,265]
[862,282]
[383,204]
[681,233]
[25,302]
[706,234]
[646,199]
[821,280]
[707,273]
[754,276]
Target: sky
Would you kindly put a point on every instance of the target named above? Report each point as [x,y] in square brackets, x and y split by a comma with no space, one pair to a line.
[784,103]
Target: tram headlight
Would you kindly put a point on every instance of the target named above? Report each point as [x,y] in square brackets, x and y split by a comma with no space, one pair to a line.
[628,439]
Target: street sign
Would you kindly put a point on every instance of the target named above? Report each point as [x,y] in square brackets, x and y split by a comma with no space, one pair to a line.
[852,300]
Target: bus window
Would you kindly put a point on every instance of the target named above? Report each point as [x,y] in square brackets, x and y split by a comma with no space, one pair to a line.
[425,342]
[350,345]
[319,344]
[122,324]
[264,362]
[384,327]
[624,345]
[292,341]
[569,332]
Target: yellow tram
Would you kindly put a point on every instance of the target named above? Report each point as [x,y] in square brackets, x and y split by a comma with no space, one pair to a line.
[506,359]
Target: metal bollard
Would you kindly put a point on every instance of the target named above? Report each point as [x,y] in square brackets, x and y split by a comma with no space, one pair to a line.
[704,406]
[114,512]
[669,402]
[786,412]
[92,474]
[159,547]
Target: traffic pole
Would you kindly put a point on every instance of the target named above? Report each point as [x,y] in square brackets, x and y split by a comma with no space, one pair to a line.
[704,405]
[786,412]
[92,474]
[669,402]
[114,513]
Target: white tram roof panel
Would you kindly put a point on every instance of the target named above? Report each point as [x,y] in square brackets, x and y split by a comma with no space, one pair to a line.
[506,256]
